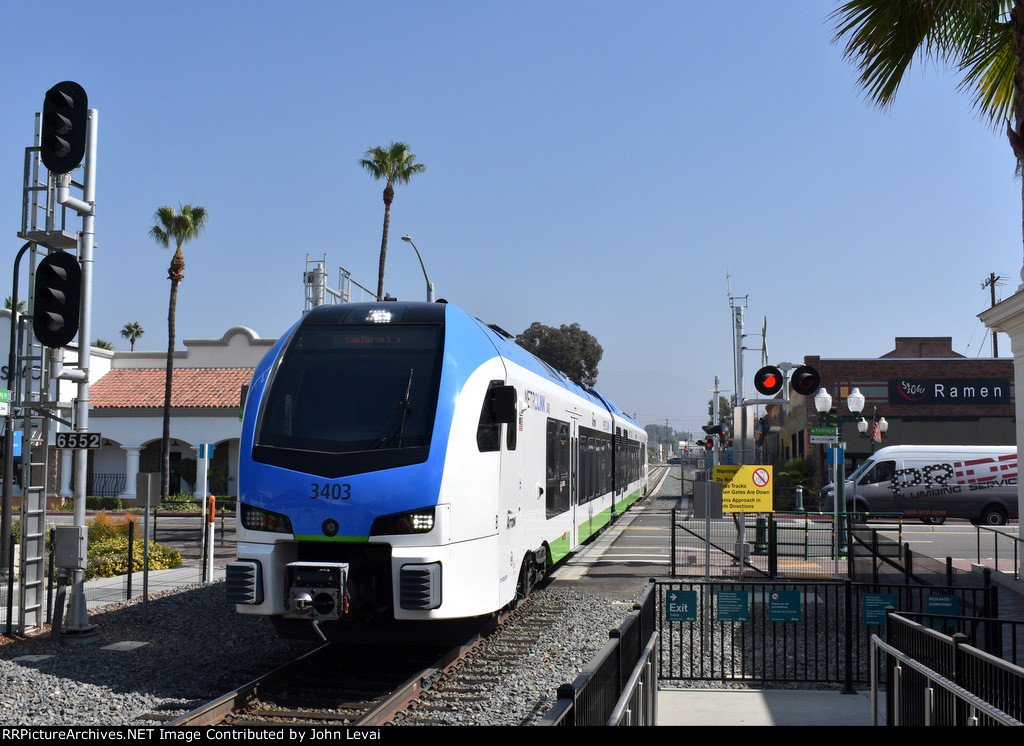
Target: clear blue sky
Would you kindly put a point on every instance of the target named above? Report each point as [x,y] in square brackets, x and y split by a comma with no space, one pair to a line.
[620,165]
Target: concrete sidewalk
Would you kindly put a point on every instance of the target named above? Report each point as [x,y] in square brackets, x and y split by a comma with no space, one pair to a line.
[101,592]
[105,591]
[765,707]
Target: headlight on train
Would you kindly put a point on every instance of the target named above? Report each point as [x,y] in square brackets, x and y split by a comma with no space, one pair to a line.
[413,522]
[257,519]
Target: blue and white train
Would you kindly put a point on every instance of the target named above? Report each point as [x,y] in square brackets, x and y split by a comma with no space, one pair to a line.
[404,464]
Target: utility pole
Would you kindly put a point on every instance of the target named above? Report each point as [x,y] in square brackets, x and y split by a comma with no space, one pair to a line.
[991,282]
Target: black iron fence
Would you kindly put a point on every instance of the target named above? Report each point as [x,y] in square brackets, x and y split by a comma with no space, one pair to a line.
[939,679]
[619,686]
[186,533]
[106,485]
[1000,548]
[781,632]
[795,544]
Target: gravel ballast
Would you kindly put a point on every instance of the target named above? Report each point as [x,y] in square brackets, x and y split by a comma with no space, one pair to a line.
[194,647]
[185,647]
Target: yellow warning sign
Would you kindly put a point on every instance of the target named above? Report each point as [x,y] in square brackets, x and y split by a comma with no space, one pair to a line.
[745,489]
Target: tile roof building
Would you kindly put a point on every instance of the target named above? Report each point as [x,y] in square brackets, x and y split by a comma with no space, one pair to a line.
[126,405]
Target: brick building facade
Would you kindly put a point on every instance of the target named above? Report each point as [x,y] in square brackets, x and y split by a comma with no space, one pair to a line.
[928,394]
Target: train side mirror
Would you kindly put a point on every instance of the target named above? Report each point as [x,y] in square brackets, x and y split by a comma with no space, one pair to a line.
[503,404]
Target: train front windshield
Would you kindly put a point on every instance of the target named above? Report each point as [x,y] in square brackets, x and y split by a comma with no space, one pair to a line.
[351,398]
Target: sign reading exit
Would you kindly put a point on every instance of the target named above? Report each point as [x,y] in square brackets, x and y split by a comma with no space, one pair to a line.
[681,606]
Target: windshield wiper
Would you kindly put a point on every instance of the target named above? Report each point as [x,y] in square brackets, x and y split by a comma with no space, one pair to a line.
[395,427]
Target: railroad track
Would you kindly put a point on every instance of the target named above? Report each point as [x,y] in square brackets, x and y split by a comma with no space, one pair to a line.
[363,686]
[331,685]
[471,682]
[369,686]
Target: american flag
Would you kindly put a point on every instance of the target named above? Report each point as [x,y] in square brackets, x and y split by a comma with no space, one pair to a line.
[876,431]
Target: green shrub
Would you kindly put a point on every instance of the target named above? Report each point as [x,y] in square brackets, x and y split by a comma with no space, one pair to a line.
[103,527]
[103,503]
[92,502]
[109,557]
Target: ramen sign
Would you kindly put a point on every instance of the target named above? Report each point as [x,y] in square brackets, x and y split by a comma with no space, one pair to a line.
[949,390]
[745,489]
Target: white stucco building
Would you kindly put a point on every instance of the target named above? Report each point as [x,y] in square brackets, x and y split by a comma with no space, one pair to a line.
[126,396]
[126,406]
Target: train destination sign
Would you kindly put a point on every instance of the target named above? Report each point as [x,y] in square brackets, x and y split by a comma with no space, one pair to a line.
[745,489]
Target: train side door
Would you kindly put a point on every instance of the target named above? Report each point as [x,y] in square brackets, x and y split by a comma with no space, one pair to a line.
[574,476]
[558,489]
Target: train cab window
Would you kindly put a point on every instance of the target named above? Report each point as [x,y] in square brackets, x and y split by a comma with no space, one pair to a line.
[350,398]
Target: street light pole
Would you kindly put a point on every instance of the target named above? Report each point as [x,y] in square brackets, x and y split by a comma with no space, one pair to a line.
[823,403]
[430,285]
[867,430]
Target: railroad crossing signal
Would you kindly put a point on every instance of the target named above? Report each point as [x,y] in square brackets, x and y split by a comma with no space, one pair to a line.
[769,380]
[65,116]
[58,293]
[805,380]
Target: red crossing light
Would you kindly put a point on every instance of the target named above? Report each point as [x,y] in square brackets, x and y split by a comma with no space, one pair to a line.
[769,380]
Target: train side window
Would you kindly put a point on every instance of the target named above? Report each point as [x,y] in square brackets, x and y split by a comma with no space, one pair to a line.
[499,408]
[488,430]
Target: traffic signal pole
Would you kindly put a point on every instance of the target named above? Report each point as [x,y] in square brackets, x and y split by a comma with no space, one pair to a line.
[78,618]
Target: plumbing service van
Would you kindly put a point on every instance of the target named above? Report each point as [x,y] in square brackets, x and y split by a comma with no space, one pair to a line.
[934,483]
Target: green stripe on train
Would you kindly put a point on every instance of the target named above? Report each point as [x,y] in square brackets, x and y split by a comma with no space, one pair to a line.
[595,524]
[588,528]
[558,548]
[628,500]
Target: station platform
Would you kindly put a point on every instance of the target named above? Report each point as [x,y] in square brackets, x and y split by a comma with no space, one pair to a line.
[789,707]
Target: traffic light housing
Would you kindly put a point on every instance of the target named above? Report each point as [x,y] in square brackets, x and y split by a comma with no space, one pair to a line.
[65,117]
[57,300]
[769,380]
[805,381]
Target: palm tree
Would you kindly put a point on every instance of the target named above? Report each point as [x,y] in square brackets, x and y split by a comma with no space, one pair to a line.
[132,331]
[981,40]
[393,164]
[103,344]
[179,227]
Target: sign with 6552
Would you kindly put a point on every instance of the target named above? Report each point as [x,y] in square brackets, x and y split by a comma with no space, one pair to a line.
[78,440]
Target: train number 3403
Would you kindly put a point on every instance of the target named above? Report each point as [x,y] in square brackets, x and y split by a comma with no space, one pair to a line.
[330,491]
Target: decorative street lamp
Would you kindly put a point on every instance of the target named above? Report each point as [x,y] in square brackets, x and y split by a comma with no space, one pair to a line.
[826,415]
[876,432]
[430,285]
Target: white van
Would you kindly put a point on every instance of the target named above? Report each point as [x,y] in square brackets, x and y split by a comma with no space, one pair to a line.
[934,483]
